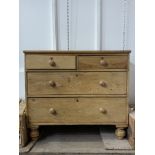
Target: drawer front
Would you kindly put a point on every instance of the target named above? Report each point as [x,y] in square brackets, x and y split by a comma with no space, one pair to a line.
[46,83]
[77,110]
[102,62]
[50,62]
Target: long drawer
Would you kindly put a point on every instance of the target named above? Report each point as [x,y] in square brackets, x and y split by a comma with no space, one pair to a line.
[77,110]
[46,83]
[48,61]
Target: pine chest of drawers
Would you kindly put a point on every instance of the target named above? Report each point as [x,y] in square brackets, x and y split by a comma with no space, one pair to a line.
[77,88]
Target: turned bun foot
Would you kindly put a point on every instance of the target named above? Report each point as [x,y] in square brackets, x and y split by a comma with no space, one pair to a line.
[120,133]
[34,134]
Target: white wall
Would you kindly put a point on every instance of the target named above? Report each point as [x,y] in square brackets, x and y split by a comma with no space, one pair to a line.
[131,45]
[94,25]
[81,21]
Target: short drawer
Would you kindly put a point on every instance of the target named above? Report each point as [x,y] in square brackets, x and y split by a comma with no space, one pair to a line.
[46,83]
[102,62]
[47,61]
[77,110]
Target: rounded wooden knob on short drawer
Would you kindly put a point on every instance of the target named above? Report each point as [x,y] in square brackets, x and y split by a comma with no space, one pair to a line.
[102,110]
[52,111]
[51,62]
[103,62]
[52,83]
[102,83]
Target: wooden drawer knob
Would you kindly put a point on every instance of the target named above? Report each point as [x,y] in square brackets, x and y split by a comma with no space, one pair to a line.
[52,83]
[103,62]
[52,63]
[52,111]
[102,110]
[103,84]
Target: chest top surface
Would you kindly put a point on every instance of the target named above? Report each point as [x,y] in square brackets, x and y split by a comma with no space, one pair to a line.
[76,52]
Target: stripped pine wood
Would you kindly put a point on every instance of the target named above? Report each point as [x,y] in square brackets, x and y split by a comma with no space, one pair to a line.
[76,83]
[102,62]
[77,87]
[50,62]
[77,110]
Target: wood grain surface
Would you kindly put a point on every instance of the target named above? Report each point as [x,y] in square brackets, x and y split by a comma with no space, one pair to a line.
[109,62]
[44,62]
[77,87]
[77,110]
[76,83]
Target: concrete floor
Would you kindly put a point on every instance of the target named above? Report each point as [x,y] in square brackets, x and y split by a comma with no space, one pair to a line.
[72,140]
